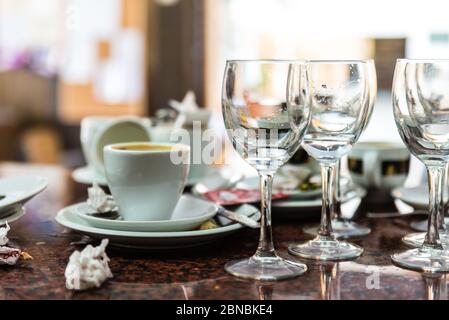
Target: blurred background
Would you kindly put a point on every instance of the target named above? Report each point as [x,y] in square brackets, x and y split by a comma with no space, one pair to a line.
[62,60]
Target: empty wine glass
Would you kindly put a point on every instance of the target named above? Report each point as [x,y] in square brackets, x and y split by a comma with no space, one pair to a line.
[344,228]
[421,110]
[340,108]
[266,121]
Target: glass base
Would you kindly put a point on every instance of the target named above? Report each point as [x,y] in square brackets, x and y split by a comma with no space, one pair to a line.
[265,269]
[422,225]
[423,259]
[342,229]
[326,250]
[416,240]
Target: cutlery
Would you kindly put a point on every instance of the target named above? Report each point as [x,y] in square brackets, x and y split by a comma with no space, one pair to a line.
[240,218]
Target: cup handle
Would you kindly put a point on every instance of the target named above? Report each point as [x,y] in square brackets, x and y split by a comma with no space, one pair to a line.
[370,160]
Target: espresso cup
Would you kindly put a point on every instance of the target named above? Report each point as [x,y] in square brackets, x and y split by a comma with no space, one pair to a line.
[146,179]
[379,165]
[97,132]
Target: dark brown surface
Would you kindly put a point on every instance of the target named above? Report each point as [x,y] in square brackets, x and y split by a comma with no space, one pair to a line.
[198,273]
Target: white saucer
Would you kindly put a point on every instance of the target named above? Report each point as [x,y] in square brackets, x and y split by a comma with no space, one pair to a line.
[18,190]
[17,212]
[189,214]
[69,218]
[308,209]
[85,175]
[417,197]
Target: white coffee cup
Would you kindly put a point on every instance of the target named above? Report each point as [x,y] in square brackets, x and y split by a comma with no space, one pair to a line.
[379,165]
[146,182]
[98,131]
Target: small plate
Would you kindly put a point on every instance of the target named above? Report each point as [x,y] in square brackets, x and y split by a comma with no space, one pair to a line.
[253,183]
[292,209]
[18,190]
[16,213]
[189,214]
[417,197]
[69,218]
[86,175]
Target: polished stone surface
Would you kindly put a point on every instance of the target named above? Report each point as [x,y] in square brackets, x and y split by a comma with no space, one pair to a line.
[198,273]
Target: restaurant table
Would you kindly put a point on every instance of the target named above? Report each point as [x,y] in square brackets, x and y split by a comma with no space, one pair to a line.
[198,273]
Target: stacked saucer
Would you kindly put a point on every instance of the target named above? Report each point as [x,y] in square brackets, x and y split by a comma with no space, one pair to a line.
[194,222]
[15,192]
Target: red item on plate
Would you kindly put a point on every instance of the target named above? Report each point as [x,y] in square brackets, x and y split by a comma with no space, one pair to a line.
[229,197]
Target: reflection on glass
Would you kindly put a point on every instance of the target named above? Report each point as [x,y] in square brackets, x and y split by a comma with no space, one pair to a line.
[436,286]
[330,281]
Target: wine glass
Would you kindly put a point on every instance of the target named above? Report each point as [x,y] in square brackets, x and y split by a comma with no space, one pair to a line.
[266,121]
[421,110]
[344,228]
[340,106]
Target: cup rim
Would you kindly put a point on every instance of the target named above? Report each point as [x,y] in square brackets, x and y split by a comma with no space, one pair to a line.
[174,146]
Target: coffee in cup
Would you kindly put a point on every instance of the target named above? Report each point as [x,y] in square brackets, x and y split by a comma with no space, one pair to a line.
[146,179]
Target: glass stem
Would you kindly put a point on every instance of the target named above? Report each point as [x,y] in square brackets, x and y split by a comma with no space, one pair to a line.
[435,174]
[328,171]
[266,247]
[337,194]
[442,211]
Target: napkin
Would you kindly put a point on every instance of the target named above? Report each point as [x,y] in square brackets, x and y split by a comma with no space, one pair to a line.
[189,111]
[99,201]
[8,255]
[89,268]
[4,235]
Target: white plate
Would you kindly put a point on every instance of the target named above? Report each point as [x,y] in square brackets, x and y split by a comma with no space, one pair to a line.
[17,212]
[86,175]
[354,192]
[417,197]
[68,218]
[253,183]
[18,190]
[189,214]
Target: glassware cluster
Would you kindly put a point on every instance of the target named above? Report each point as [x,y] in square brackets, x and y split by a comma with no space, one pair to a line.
[272,107]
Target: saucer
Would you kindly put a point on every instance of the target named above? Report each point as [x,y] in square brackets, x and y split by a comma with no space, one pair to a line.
[310,208]
[86,175]
[18,190]
[15,214]
[417,197]
[189,214]
[69,218]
